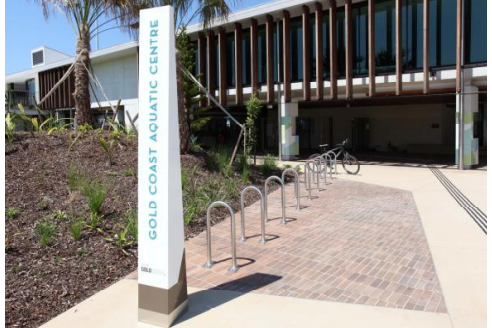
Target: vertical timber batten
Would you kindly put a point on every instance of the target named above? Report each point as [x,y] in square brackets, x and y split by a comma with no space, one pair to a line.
[319,50]
[254,55]
[372,59]
[238,41]
[398,59]
[348,49]
[222,67]
[286,54]
[269,58]
[333,50]
[202,63]
[306,53]
[211,64]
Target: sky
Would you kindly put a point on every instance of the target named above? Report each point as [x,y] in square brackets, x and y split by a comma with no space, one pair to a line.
[27,29]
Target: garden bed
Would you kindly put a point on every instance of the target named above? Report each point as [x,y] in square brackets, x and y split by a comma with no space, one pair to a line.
[43,184]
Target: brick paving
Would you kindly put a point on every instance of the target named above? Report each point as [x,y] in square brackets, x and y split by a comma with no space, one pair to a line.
[353,243]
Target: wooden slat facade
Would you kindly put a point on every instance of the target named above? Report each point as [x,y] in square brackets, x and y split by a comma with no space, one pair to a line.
[202,63]
[211,63]
[63,95]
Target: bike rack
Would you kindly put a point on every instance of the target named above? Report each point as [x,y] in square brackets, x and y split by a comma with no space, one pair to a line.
[325,169]
[333,159]
[209,263]
[296,185]
[273,177]
[314,170]
[262,206]
[328,159]
[307,179]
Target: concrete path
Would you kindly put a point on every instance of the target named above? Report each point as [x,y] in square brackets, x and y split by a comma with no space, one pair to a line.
[457,247]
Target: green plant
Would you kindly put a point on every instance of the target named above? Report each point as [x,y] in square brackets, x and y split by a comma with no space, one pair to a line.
[129,172]
[269,164]
[131,220]
[76,178]
[108,148]
[9,127]
[57,259]
[44,203]
[60,215]
[245,175]
[95,193]
[76,228]
[94,220]
[84,128]
[112,173]
[45,229]
[287,166]
[253,108]
[194,144]
[17,268]
[12,212]
[81,251]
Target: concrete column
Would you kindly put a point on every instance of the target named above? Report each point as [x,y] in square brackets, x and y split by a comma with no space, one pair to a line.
[470,144]
[290,141]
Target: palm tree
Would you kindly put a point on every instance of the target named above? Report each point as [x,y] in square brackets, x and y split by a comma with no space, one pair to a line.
[83,15]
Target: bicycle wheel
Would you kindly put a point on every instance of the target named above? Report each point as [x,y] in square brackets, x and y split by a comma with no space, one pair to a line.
[350,164]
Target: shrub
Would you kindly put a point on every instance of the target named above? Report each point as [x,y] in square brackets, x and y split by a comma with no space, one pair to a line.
[108,148]
[9,127]
[76,228]
[45,229]
[269,164]
[84,128]
[12,212]
[245,175]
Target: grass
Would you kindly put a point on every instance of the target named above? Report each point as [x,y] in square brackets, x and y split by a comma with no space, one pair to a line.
[129,172]
[131,221]
[12,212]
[60,215]
[76,228]
[45,229]
[95,192]
[269,164]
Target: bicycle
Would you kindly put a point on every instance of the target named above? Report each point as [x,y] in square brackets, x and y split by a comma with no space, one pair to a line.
[349,163]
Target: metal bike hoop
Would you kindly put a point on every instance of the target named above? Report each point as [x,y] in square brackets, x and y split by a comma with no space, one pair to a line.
[209,263]
[333,159]
[307,178]
[328,161]
[296,185]
[262,219]
[273,177]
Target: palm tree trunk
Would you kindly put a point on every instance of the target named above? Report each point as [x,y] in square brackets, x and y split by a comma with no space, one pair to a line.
[81,94]
[184,131]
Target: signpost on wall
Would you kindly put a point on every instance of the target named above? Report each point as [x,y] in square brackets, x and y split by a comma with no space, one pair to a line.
[162,294]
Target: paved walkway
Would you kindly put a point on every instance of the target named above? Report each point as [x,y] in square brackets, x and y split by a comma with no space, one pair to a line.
[353,242]
[456,245]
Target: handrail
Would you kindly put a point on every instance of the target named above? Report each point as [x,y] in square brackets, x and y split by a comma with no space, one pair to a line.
[273,177]
[209,263]
[296,185]
[262,219]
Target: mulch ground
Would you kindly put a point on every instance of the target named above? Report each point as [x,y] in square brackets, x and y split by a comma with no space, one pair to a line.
[42,282]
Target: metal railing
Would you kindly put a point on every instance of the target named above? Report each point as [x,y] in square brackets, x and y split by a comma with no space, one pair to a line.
[262,219]
[209,263]
[15,97]
[273,177]
[296,185]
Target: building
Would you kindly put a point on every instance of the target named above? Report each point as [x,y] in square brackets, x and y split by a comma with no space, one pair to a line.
[390,75]
[115,68]
[385,74]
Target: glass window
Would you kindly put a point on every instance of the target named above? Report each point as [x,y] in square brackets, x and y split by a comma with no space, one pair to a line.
[359,40]
[262,58]
[277,51]
[326,45]
[230,60]
[312,26]
[246,58]
[194,46]
[340,24]
[217,62]
[412,34]
[475,31]
[296,53]
[442,33]
[384,24]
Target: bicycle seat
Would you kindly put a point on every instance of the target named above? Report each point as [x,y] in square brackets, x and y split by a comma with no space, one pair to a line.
[325,145]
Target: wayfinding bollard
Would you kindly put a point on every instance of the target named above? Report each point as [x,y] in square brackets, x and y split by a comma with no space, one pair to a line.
[273,177]
[296,185]
[262,205]
[209,263]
